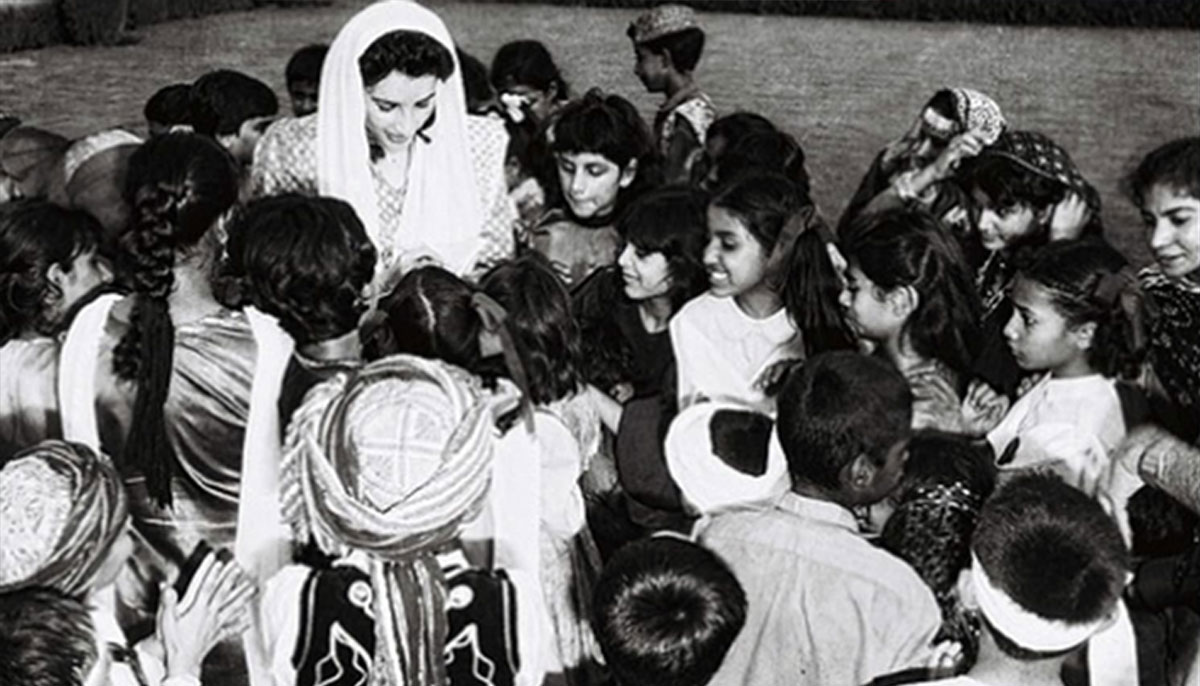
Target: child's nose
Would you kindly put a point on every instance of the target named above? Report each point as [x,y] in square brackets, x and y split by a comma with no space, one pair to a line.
[844,298]
[1011,329]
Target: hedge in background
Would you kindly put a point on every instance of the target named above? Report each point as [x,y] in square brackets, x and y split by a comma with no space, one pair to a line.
[29,26]
[94,22]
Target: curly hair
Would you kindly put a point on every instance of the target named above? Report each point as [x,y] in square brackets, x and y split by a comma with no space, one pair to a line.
[544,330]
[303,260]
[178,186]
[411,53]
[34,236]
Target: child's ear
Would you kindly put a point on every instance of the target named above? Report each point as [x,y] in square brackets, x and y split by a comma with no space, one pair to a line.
[859,474]
[903,301]
[56,275]
[1083,334]
[628,174]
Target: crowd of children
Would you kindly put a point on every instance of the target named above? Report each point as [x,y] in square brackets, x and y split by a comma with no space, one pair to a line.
[458,377]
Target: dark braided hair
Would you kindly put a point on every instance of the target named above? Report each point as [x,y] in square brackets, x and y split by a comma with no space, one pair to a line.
[178,186]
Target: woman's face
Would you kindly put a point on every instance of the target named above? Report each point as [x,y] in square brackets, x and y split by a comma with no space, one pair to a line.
[1001,227]
[591,182]
[398,107]
[1173,218]
[646,274]
[736,261]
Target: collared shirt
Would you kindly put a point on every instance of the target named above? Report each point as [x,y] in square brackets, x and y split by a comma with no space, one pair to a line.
[824,605]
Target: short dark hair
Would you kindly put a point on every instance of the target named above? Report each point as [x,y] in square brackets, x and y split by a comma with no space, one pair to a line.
[527,63]
[1175,165]
[608,125]
[409,52]
[837,406]
[46,638]
[666,612]
[34,235]
[305,64]
[671,220]
[170,105]
[1051,549]
[221,100]
[684,47]
[304,260]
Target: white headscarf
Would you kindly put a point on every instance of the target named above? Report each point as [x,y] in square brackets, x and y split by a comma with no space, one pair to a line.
[442,216]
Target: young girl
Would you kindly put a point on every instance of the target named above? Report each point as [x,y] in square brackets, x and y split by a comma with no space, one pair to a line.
[1166,188]
[908,292]
[725,339]
[1077,317]
[605,157]
[528,81]
[48,265]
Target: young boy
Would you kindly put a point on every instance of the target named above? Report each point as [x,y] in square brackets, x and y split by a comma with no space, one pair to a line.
[233,108]
[825,605]
[665,612]
[668,42]
[303,74]
[1048,566]
[170,106]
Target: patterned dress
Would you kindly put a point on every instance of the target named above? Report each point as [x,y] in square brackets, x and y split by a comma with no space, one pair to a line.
[1174,345]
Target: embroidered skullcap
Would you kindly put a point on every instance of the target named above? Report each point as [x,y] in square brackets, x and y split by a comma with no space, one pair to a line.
[85,148]
[392,460]
[662,21]
[1036,153]
[713,469]
[61,508]
[978,114]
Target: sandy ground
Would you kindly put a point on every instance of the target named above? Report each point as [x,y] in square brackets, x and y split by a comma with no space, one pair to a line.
[843,87]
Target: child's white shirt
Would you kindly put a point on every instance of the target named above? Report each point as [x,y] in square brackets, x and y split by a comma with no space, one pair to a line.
[720,351]
[1070,426]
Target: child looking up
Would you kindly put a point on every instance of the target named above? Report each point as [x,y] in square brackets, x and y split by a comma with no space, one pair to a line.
[1166,188]
[668,41]
[909,293]
[725,339]
[303,74]
[666,611]
[825,606]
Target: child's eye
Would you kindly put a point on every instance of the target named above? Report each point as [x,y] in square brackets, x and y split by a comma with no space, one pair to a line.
[728,244]
[595,170]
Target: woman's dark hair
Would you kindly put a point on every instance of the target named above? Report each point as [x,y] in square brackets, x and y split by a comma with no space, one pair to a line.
[1175,165]
[36,234]
[1089,281]
[908,248]
[544,330]
[764,201]
[178,186]
[430,314]
[767,151]
[409,52]
[671,221]
[303,260]
[527,63]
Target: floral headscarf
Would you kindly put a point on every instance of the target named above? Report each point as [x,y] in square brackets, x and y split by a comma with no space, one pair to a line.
[1035,152]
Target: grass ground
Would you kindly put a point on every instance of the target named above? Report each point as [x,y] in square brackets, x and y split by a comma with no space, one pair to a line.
[844,87]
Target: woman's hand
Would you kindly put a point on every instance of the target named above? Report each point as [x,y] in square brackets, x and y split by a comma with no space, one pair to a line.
[1070,215]
[215,607]
[982,409]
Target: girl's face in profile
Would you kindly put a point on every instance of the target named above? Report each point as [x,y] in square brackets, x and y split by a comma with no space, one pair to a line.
[398,107]
[591,182]
[1173,220]
[736,261]
[646,274]
[867,308]
[1039,336]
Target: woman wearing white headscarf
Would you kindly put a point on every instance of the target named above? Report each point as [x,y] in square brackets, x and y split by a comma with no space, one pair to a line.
[392,137]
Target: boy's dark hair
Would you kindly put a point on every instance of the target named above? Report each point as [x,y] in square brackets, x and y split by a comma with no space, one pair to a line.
[545,333]
[837,406]
[478,90]
[527,63]
[666,612]
[408,52]
[903,247]
[1175,165]
[607,125]
[170,105]
[305,64]
[221,100]
[1077,274]
[684,47]
[46,638]
[304,260]
[671,220]
[1053,551]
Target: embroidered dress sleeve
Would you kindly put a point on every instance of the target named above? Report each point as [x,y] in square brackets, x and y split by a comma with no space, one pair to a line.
[285,159]
[488,143]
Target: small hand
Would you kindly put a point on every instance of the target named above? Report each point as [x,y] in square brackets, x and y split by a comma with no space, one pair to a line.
[961,147]
[774,374]
[215,607]
[622,392]
[1070,215]
[982,409]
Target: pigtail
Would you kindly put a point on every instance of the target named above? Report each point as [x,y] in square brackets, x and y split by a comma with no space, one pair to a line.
[145,353]
[811,291]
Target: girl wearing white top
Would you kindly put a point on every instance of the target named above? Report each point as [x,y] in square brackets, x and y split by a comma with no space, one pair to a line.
[725,339]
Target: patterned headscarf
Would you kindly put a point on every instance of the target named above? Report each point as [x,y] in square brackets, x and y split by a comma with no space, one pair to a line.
[978,114]
[392,460]
[61,509]
[1035,152]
